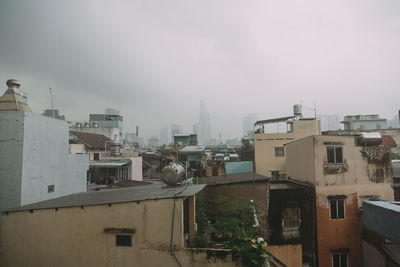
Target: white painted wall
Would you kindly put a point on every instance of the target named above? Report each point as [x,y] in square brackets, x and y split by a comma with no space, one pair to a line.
[46,160]
[136,168]
[11,140]
[33,155]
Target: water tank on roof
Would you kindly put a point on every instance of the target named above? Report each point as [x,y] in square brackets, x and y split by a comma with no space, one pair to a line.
[115,149]
[87,124]
[78,125]
[172,174]
[297,110]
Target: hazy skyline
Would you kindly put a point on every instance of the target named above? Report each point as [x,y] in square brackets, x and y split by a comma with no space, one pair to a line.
[155,60]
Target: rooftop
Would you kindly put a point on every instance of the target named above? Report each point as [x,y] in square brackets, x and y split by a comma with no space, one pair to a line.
[91,140]
[191,149]
[128,194]
[12,99]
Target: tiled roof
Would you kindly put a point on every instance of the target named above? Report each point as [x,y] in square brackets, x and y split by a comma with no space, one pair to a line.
[388,140]
[119,195]
[92,140]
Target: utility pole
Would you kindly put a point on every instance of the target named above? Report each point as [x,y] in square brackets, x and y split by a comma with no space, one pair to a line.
[51,101]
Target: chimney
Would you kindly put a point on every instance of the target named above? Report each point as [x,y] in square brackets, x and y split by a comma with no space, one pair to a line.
[13,85]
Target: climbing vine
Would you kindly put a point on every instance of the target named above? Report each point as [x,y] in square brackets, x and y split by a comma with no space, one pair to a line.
[230,224]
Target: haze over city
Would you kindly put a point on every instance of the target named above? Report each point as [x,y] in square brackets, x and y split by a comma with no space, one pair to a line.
[155,61]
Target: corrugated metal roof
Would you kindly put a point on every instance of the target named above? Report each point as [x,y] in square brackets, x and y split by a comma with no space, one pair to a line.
[238,167]
[128,194]
[193,149]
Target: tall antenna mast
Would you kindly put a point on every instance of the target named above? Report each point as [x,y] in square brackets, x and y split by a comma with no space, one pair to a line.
[51,101]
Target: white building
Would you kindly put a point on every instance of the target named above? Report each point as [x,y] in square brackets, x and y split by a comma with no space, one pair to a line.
[34,161]
[364,122]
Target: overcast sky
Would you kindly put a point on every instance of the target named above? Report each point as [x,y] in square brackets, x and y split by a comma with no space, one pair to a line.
[155,60]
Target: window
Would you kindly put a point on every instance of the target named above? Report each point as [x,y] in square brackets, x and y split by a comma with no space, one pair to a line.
[334,154]
[361,127]
[378,126]
[337,208]
[275,174]
[291,217]
[279,151]
[96,156]
[339,259]
[123,240]
[50,188]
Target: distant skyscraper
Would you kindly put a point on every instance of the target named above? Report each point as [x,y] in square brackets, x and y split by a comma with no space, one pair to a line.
[164,136]
[175,129]
[204,131]
[248,123]
[329,122]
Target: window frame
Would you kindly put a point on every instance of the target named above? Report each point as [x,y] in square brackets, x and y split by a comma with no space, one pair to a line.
[334,154]
[279,151]
[340,254]
[337,208]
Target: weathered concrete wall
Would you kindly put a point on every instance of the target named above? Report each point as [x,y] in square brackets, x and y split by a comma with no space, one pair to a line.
[75,236]
[340,233]
[290,255]
[46,160]
[371,256]
[11,146]
[265,144]
[300,160]
[136,169]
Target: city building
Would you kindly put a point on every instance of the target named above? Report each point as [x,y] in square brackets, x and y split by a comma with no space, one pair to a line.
[54,113]
[284,212]
[152,141]
[135,226]
[195,159]
[364,122]
[111,170]
[248,123]
[175,129]
[34,161]
[380,233]
[96,145]
[344,170]
[109,124]
[204,129]
[185,140]
[164,140]
[270,152]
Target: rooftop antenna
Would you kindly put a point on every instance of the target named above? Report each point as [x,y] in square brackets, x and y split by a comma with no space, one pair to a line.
[51,101]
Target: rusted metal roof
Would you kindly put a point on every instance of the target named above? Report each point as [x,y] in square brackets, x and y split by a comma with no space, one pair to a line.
[92,140]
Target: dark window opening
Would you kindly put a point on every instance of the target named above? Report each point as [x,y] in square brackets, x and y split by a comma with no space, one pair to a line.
[96,156]
[339,260]
[337,209]
[123,240]
[50,188]
[275,174]
[334,154]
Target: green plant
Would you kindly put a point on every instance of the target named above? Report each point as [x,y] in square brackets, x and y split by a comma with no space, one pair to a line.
[231,223]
